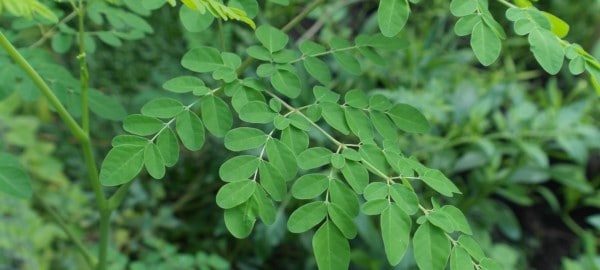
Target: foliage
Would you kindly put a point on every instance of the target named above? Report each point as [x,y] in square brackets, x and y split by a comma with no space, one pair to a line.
[330,151]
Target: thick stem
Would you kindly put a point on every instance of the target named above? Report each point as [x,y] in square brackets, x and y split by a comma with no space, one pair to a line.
[84,76]
[104,233]
[44,88]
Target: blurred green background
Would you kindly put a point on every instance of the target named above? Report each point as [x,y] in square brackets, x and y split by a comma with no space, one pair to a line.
[523,146]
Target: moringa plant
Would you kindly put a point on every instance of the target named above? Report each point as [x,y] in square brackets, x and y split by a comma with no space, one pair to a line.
[300,134]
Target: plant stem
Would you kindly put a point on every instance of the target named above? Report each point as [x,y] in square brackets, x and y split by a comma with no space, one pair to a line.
[104,233]
[88,258]
[74,128]
[84,75]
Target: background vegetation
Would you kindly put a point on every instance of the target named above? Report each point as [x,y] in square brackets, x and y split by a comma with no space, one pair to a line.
[522,146]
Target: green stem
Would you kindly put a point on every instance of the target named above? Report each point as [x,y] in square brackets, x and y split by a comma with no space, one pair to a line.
[74,128]
[88,258]
[104,233]
[115,200]
[84,75]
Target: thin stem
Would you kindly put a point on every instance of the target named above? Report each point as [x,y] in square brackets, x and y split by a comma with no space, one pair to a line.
[88,258]
[84,76]
[508,4]
[47,34]
[115,200]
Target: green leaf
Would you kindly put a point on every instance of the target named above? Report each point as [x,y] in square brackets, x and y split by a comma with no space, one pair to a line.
[162,108]
[216,115]
[408,118]
[338,161]
[577,65]
[359,123]
[376,191]
[489,264]
[384,126]
[266,209]
[62,42]
[440,219]
[331,249]
[142,125]
[129,139]
[14,180]
[286,82]
[379,103]
[308,47]
[314,157]
[485,44]
[436,180]
[464,26]
[168,146]
[153,161]
[494,25]
[460,259]
[341,194]
[405,198]
[356,175]
[272,38]
[392,16]
[239,168]
[323,94]
[356,98]
[375,207]
[342,220]
[559,27]
[372,155]
[379,41]
[461,8]
[121,165]
[310,186]
[190,130]
[240,220]
[244,138]
[334,116]
[105,106]
[257,112]
[272,181]
[193,20]
[202,59]
[395,231]
[295,139]
[471,247]
[431,247]
[235,193]
[109,38]
[458,219]
[547,50]
[259,52]
[307,216]
[282,157]
[348,62]
[317,69]
[184,84]
[373,56]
